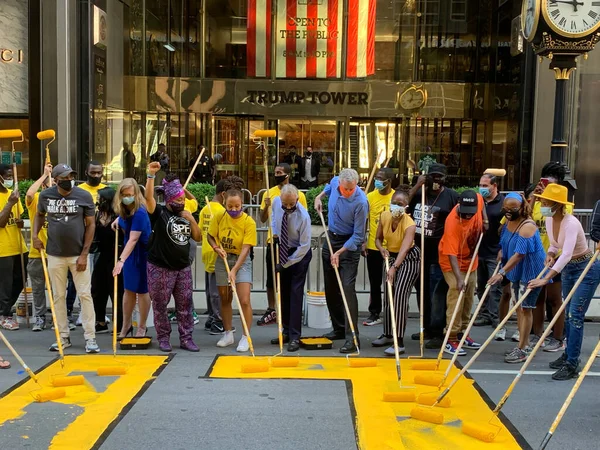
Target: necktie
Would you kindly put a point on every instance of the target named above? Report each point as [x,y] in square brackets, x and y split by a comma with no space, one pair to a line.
[283,240]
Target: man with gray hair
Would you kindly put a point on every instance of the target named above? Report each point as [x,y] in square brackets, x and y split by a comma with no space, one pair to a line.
[347,215]
[292,231]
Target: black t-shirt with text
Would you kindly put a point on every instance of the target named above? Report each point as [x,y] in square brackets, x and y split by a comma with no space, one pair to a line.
[169,245]
[435,212]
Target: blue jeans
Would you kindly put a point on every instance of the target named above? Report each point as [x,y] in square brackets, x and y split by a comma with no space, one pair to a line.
[579,304]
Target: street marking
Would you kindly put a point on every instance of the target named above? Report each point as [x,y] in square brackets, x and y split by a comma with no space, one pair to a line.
[100,408]
[385,426]
[527,372]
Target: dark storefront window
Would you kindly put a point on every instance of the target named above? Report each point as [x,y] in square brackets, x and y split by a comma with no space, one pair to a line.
[225,40]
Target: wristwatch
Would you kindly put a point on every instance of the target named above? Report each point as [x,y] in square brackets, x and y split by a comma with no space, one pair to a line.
[121,260]
[502,272]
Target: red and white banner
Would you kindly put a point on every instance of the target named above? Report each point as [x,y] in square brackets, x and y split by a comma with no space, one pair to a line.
[309,38]
[360,46]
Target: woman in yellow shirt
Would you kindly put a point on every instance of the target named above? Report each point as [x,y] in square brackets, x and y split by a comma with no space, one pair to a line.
[232,234]
[395,241]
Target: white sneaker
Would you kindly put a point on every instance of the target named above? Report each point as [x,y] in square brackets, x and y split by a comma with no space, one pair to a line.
[66,343]
[91,346]
[243,345]
[40,324]
[106,320]
[226,340]
[78,323]
[516,337]
[501,335]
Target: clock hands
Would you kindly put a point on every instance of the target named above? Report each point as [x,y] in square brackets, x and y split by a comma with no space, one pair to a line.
[575,3]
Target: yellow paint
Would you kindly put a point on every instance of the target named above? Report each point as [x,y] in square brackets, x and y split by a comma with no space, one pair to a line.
[136,341]
[315,341]
[384,425]
[25,437]
[99,408]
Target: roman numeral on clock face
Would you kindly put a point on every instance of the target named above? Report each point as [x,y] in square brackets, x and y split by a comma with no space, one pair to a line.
[573,25]
[555,13]
[595,3]
[593,14]
[562,22]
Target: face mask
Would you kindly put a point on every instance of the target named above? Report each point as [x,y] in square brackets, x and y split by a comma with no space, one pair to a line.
[308,153]
[512,214]
[93,181]
[129,200]
[234,214]
[289,210]
[66,185]
[485,192]
[177,207]
[547,211]
[397,210]
[380,185]
[8,184]
[280,178]
[347,194]
[433,185]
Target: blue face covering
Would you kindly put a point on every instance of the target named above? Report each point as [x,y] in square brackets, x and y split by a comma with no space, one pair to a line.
[485,192]
[379,185]
[127,200]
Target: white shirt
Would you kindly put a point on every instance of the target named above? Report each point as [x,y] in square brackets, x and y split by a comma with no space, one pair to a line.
[307,172]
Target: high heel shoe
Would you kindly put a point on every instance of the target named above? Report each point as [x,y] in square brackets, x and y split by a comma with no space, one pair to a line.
[139,332]
[130,331]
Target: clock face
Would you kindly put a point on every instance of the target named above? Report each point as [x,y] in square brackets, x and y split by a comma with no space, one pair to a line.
[530,13]
[413,98]
[572,18]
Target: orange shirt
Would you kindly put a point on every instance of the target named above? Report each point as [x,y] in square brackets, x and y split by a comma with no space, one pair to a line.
[460,239]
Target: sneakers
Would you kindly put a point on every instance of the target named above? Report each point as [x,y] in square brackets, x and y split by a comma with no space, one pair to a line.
[373,319]
[558,363]
[91,346]
[9,323]
[196,318]
[390,351]
[434,343]
[382,341]
[243,345]
[172,317]
[79,323]
[516,337]
[554,345]
[216,328]
[40,323]
[208,323]
[268,318]
[72,324]
[501,335]
[190,346]
[65,341]
[482,322]
[516,356]
[452,347]
[535,339]
[226,340]
[101,329]
[566,372]
[471,344]
[164,345]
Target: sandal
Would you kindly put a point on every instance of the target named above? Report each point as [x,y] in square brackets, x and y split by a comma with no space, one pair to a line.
[4,364]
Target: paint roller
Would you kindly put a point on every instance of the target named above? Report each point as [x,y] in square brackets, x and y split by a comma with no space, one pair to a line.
[352,362]
[495,172]
[428,414]
[194,168]
[373,170]
[489,431]
[405,393]
[8,134]
[436,379]
[265,134]
[42,136]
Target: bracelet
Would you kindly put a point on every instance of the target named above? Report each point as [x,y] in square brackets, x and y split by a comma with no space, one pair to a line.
[150,176]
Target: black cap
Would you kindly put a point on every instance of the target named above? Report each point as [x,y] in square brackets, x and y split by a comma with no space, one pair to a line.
[438,168]
[62,170]
[468,202]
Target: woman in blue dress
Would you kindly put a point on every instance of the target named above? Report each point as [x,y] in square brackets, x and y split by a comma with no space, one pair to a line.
[133,219]
[523,256]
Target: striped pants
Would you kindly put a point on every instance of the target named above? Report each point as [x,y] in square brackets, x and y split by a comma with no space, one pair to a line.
[406,276]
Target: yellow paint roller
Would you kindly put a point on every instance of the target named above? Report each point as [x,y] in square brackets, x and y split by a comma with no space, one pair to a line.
[255,366]
[495,172]
[429,379]
[427,415]
[405,393]
[265,134]
[400,396]
[47,395]
[46,134]
[429,399]
[108,371]
[8,134]
[75,380]
[352,362]
[286,361]
[488,432]
[424,365]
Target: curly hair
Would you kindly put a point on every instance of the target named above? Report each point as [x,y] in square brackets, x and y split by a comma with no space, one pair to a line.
[236,182]
[170,177]
[555,170]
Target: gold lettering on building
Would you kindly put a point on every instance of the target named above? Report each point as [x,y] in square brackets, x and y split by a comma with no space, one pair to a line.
[8,55]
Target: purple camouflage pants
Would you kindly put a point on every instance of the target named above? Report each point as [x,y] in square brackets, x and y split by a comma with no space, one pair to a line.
[161,284]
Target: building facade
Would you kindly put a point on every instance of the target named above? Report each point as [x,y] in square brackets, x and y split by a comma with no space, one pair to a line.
[401,80]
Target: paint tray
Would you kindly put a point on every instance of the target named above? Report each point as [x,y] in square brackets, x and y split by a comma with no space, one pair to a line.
[316,343]
[136,343]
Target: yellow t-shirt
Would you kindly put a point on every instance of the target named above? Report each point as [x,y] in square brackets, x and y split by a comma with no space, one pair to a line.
[43,234]
[275,191]
[191,205]
[9,235]
[206,215]
[540,221]
[232,234]
[377,204]
[394,238]
[93,190]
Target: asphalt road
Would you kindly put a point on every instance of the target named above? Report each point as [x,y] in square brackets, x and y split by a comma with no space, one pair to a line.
[183,409]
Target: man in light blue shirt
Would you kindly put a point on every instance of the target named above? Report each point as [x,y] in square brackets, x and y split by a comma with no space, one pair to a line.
[347,217]
[292,232]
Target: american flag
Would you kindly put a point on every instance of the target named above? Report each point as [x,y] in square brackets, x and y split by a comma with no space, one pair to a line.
[309,38]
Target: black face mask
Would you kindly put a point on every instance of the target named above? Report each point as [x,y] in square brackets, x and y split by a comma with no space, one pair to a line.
[65,185]
[280,178]
[93,181]
[177,207]
[512,215]
[308,154]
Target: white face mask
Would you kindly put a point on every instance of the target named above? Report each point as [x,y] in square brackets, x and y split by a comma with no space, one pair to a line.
[547,211]
[8,184]
[397,210]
